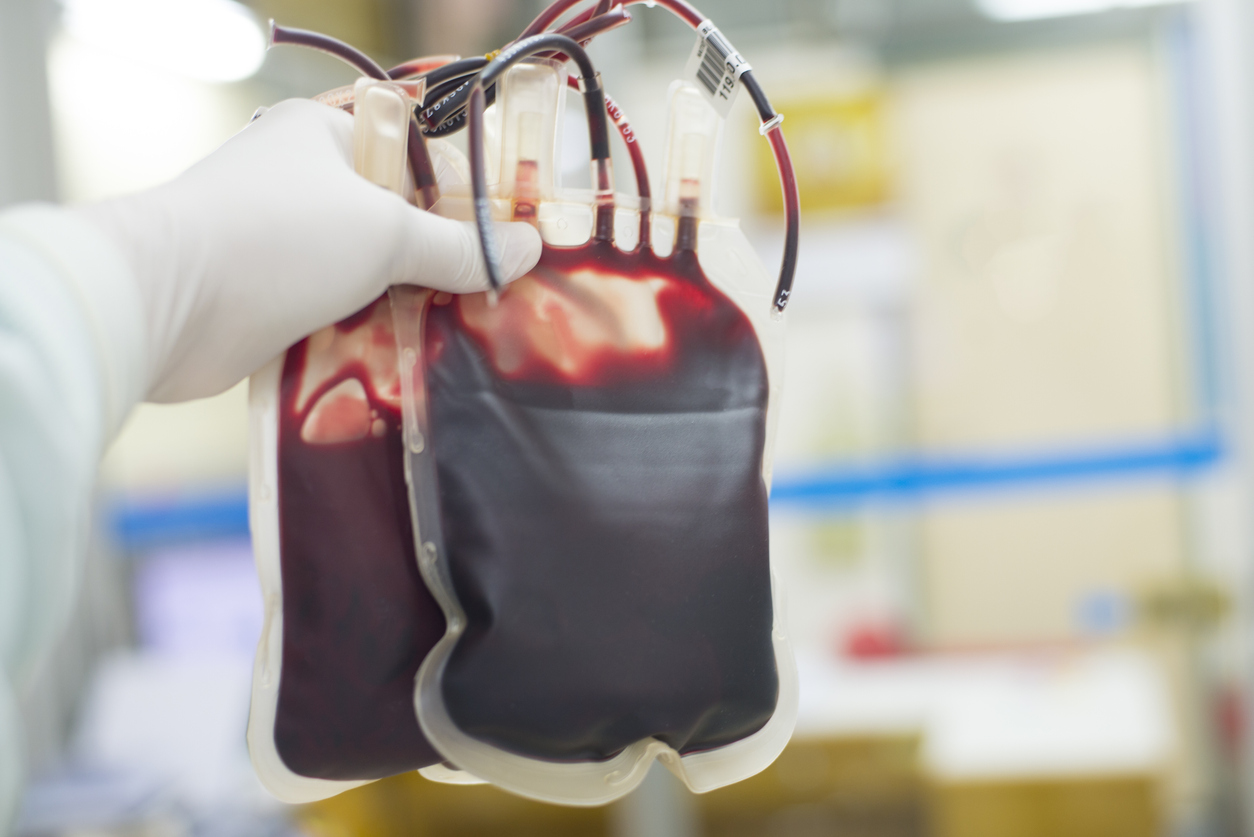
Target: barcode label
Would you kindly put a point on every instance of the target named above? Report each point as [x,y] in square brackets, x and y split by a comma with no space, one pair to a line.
[716,67]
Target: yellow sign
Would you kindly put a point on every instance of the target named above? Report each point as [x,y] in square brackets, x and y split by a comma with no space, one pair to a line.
[840,151]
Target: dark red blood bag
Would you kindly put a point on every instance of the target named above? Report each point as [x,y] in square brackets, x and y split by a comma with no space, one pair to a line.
[522,536]
[348,617]
[589,456]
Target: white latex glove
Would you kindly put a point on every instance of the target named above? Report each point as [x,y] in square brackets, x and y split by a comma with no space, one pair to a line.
[274,236]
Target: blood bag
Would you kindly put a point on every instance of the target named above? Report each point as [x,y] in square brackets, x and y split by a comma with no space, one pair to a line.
[348,619]
[589,457]
[521,536]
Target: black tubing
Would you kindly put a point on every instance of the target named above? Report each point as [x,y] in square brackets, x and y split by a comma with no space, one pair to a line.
[352,56]
[598,128]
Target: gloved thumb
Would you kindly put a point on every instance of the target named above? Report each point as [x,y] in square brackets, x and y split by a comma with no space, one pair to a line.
[445,254]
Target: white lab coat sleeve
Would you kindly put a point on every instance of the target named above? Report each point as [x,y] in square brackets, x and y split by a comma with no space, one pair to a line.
[72,364]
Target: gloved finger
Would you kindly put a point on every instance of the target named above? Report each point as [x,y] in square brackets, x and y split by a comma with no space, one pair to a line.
[451,166]
[445,254]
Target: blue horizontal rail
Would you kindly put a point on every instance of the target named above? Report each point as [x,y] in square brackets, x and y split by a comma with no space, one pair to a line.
[914,477]
[138,525]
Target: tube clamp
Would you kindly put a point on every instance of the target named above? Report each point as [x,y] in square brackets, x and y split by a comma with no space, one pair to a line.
[771,124]
[588,84]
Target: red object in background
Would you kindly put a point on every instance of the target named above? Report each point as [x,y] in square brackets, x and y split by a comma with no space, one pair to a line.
[1230,718]
[873,640]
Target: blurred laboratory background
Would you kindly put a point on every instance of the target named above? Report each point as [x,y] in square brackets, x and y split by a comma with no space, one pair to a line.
[1014,476]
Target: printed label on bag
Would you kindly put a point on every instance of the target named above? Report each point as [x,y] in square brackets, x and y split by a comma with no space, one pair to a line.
[716,67]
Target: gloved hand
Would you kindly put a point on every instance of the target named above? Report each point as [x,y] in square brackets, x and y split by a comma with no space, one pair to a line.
[274,236]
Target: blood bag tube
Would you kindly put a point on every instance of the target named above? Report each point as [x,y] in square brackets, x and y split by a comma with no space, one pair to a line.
[692,138]
[533,94]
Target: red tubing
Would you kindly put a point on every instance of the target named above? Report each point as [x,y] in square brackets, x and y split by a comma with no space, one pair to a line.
[792,214]
[602,16]
[419,158]
[575,20]
[352,56]
[783,160]
[547,17]
[420,66]
[585,30]
[637,164]
[426,190]
[681,9]
[684,11]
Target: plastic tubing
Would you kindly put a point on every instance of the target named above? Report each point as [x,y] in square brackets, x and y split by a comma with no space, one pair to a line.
[598,130]
[445,102]
[428,190]
[420,66]
[458,121]
[783,160]
[455,69]
[546,18]
[788,183]
[638,165]
[594,98]
[448,86]
[585,30]
[352,56]
[425,187]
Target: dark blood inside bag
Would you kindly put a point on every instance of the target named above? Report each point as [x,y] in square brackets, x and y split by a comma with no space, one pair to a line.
[577,470]
[357,618]
[599,440]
